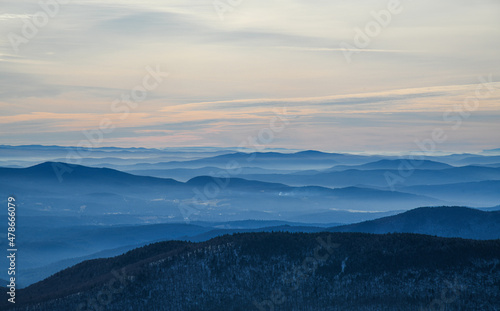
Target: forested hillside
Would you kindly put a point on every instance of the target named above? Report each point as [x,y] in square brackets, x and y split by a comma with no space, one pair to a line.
[283,271]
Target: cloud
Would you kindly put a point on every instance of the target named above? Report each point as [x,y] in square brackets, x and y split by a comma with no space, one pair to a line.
[15,85]
[399,100]
[228,76]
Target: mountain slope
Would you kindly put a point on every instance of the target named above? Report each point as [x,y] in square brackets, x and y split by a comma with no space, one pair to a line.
[57,172]
[282,271]
[440,221]
[474,194]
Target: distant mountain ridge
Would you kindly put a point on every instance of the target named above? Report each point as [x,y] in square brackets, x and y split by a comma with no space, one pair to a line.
[60,172]
[86,182]
[267,160]
[382,177]
[402,164]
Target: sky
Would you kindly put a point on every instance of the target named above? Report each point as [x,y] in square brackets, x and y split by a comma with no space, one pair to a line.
[352,76]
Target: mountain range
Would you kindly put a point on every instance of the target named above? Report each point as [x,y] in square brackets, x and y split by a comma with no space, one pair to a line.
[125,198]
